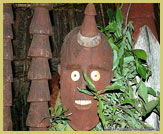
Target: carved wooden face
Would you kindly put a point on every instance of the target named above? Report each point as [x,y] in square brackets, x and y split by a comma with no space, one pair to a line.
[96,62]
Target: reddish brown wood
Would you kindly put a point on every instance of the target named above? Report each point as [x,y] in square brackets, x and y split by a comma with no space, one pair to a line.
[39,69]
[89,21]
[7,121]
[7,94]
[76,58]
[39,94]
[39,72]
[7,69]
[40,46]
[41,21]
[7,49]
[140,14]
[55,90]
[38,115]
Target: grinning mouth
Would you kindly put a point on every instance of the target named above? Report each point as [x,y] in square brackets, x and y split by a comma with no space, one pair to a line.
[83,102]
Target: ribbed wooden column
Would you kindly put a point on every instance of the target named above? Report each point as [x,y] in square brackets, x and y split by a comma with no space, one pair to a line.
[39,71]
[7,69]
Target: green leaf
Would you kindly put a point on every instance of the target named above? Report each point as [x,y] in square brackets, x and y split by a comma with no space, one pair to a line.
[84,91]
[121,61]
[100,111]
[115,59]
[111,15]
[118,33]
[60,127]
[129,37]
[132,122]
[150,106]
[128,59]
[101,28]
[121,52]
[119,17]
[151,91]
[141,69]
[143,91]
[141,54]
[114,86]
[130,26]
[89,83]
[111,27]
[112,45]
[52,110]
[59,110]
[128,101]
[158,107]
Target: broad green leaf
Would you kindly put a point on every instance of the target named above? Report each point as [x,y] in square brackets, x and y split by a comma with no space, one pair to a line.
[112,45]
[128,59]
[151,91]
[125,30]
[158,107]
[119,17]
[150,106]
[129,37]
[85,91]
[59,110]
[111,27]
[68,128]
[143,91]
[131,93]
[132,122]
[141,54]
[115,59]
[128,101]
[130,25]
[60,127]
[100,111]
[118,33]
[127,54]
[125,71]
[89,83]
[141,69]
[121,61]
[114,86]
[121,52]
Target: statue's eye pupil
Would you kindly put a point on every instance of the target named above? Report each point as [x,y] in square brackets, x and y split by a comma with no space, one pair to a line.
[95,75]
[75,75]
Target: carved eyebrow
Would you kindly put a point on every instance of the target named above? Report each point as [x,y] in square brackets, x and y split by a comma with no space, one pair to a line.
[74,66]
[101,67]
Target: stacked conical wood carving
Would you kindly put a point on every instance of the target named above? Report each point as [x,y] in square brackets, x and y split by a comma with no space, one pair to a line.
[7,68]
[39,72]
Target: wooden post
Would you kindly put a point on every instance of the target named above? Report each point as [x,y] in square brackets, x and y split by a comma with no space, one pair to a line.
[39,72]
[7,69]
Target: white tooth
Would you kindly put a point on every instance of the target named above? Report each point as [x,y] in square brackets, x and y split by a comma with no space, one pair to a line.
[83,102]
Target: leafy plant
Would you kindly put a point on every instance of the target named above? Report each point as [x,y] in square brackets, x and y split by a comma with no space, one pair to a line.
[124,104]
[58,119]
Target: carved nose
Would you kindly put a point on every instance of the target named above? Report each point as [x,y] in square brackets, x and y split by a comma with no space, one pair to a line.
[82,84]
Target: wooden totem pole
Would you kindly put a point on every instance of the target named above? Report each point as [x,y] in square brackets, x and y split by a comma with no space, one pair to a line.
[39,72]
[7,69]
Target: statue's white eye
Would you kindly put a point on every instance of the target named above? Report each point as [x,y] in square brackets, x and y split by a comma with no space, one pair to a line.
[75,75]
[95,75]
